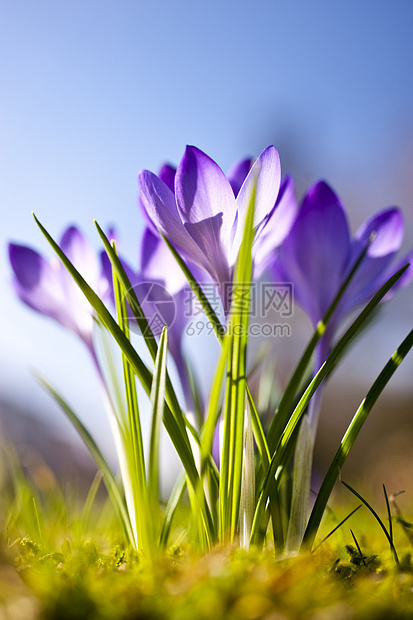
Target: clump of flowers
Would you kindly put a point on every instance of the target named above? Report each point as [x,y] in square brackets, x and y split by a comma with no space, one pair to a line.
[209,231]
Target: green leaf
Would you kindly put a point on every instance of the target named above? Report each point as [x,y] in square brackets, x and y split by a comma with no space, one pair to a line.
[325,369]
[108,477]
[139,506]
[301,487]
[171,508]
[350,436]
[234,411]
[334,530]
[157,402]
[172,424]
[376,516]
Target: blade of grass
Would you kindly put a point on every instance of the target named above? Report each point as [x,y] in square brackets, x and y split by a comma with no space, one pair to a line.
[376,516]
[350,437]
[90,499]
[133,441]
[39,529]
[157,402]
[326,368]
[388,514]
[301,487]
[334,530]
[234,412]
[171,508]
[110,481]
[178,435]
[356,542]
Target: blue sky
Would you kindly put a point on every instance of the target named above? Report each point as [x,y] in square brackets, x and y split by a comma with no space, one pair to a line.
[93,91]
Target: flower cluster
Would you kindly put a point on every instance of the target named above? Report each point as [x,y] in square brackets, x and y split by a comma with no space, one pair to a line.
[202,211]
[206,217]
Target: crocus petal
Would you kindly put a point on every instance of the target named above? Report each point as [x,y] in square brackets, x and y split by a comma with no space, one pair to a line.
[160,205]
[204,195]
[167,175]
[405,279]
[315,253]
[238,173]
[388,228]
[207,235]
[81,254]
[155,255]
[265,177]
[39,285]
[266,173]
[276,228]
[84,259]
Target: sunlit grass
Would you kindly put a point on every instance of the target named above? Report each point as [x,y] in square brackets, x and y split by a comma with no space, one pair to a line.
[68,559]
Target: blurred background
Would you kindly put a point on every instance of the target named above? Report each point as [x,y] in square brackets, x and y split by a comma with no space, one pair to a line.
[92,91]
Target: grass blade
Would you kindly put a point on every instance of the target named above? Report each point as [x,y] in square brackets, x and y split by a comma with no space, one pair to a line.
[172,424]
[388,513]
[376,516]
[334,530]
[350,437]
[108,477]
[171,508]
[157,402]
[90,499]
[327,368]
[234,411]
[133,441]
[301,487]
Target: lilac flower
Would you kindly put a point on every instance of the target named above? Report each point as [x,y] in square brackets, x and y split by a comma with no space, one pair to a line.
[319,253]
[205,214]
[48,288]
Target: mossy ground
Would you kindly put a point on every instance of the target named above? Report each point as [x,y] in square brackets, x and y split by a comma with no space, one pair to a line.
[68,565]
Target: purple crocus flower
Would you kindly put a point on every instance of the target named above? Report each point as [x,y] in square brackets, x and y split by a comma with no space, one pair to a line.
[48,288]
[319,253]
[205,214]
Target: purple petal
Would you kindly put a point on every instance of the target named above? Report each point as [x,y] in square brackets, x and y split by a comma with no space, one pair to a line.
[265,176]
[315,254]
[161,206]
[266,173]
[276,228]
[389,228]
[39,285]
[371,274]
[27,265]
[207,235]
[238,173]
[405,279]
[167,175]
[204,194]
[155,255]
[81,255]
